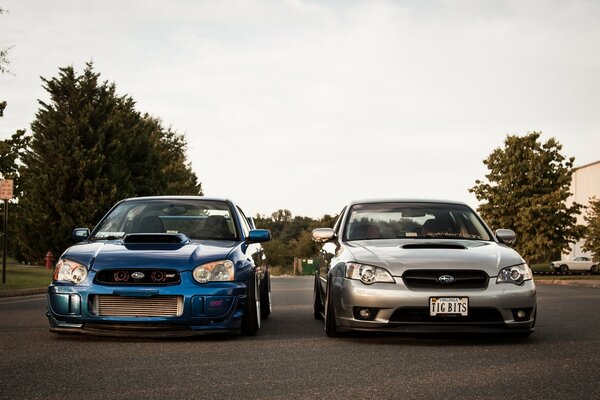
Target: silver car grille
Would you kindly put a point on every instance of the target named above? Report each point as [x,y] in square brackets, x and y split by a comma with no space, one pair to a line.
[123,306]
[460,279]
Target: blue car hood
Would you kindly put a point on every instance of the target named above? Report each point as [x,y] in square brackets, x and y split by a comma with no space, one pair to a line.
[115,254]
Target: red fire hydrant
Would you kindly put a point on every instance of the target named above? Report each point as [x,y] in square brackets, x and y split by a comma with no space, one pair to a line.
[49,260]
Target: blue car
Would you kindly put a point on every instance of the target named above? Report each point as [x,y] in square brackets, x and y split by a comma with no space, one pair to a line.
[163,266]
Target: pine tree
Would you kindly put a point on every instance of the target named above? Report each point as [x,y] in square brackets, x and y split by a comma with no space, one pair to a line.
[592,239]
[527,188]
[89,149]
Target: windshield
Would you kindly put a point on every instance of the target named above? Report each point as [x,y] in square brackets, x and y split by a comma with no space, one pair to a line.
[413,221]
[198,219]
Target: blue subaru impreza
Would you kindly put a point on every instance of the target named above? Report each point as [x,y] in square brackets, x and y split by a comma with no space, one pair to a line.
[163,266]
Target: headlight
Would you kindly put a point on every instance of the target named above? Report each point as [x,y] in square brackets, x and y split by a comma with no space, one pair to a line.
[516,274]
[367,273]
[214,271]
[69,271]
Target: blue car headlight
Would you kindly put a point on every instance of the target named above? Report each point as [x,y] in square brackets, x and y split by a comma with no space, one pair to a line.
[368,274]
[69,271]
[516,274]
[214,271]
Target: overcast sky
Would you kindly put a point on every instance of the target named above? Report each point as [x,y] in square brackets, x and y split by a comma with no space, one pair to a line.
[306,105]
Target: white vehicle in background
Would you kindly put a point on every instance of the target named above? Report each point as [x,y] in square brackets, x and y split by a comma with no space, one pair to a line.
[581,264]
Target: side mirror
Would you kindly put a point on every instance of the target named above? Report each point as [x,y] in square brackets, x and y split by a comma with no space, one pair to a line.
[258,236]
[80,234]
[506,236]
[321,235]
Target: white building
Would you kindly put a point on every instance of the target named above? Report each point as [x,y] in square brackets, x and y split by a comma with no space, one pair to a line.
[584,185]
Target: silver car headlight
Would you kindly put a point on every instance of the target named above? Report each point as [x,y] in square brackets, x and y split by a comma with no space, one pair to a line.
[69,271]
[214,271]
[516,274]
[368,274]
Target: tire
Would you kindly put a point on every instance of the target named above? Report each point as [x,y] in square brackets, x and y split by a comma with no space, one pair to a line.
[330,325]
[317,304]
[251,319]
[594,269]
[265,297]
[564,269]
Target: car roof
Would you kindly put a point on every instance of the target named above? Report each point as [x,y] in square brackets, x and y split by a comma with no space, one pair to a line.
[178,197]
[405,200]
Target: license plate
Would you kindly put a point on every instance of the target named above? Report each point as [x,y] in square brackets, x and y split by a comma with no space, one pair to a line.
[449,306]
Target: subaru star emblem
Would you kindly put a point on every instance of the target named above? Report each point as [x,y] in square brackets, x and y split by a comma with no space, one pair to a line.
[137,275]
[447,279]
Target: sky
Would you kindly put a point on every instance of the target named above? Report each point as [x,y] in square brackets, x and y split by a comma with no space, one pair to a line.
[306,105]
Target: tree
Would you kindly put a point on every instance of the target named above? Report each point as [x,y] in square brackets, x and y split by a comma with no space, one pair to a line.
[592,239]
[527,188]
[3,66]
[11,151]
[3,62]
[291,236]
[90,148]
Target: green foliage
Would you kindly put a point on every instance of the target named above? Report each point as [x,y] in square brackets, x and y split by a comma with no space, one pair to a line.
[11,151]
[291,237]
[91,148]
[526,190]
[592,239]
[4,62]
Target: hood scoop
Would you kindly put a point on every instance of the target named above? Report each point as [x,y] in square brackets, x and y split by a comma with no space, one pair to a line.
[442,246]
[160,238]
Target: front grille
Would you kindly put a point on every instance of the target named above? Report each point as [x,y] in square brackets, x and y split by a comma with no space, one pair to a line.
[123,306]
[421,315]
[138,276]
[429,279]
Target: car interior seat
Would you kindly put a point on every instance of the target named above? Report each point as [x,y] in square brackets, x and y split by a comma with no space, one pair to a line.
[364,231]
[151,224]
[218,224]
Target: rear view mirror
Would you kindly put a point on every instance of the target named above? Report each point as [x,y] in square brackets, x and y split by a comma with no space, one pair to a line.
[258,236]
[80,234]
[321,235]
[506,236]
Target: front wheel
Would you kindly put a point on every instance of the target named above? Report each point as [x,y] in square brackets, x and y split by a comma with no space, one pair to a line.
[265,297]
[564,268]
[251,319]
[317,304]
[330,324]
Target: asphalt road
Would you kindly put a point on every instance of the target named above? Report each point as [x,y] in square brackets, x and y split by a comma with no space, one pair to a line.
[291,358]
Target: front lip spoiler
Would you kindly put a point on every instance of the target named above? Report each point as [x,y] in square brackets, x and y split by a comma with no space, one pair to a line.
[168,331]
[420,328]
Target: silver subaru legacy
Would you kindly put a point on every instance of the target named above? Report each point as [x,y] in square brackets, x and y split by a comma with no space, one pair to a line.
[420,266]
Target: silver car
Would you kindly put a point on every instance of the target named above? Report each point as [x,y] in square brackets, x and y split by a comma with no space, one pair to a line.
[420,266]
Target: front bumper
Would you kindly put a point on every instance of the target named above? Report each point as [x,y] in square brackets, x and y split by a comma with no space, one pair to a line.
[210,308]
[396,308]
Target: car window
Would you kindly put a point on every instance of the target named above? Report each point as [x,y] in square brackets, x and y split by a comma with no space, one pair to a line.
[413,220]
[198,219]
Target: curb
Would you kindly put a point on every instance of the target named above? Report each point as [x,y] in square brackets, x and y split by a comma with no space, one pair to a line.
[595,283]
